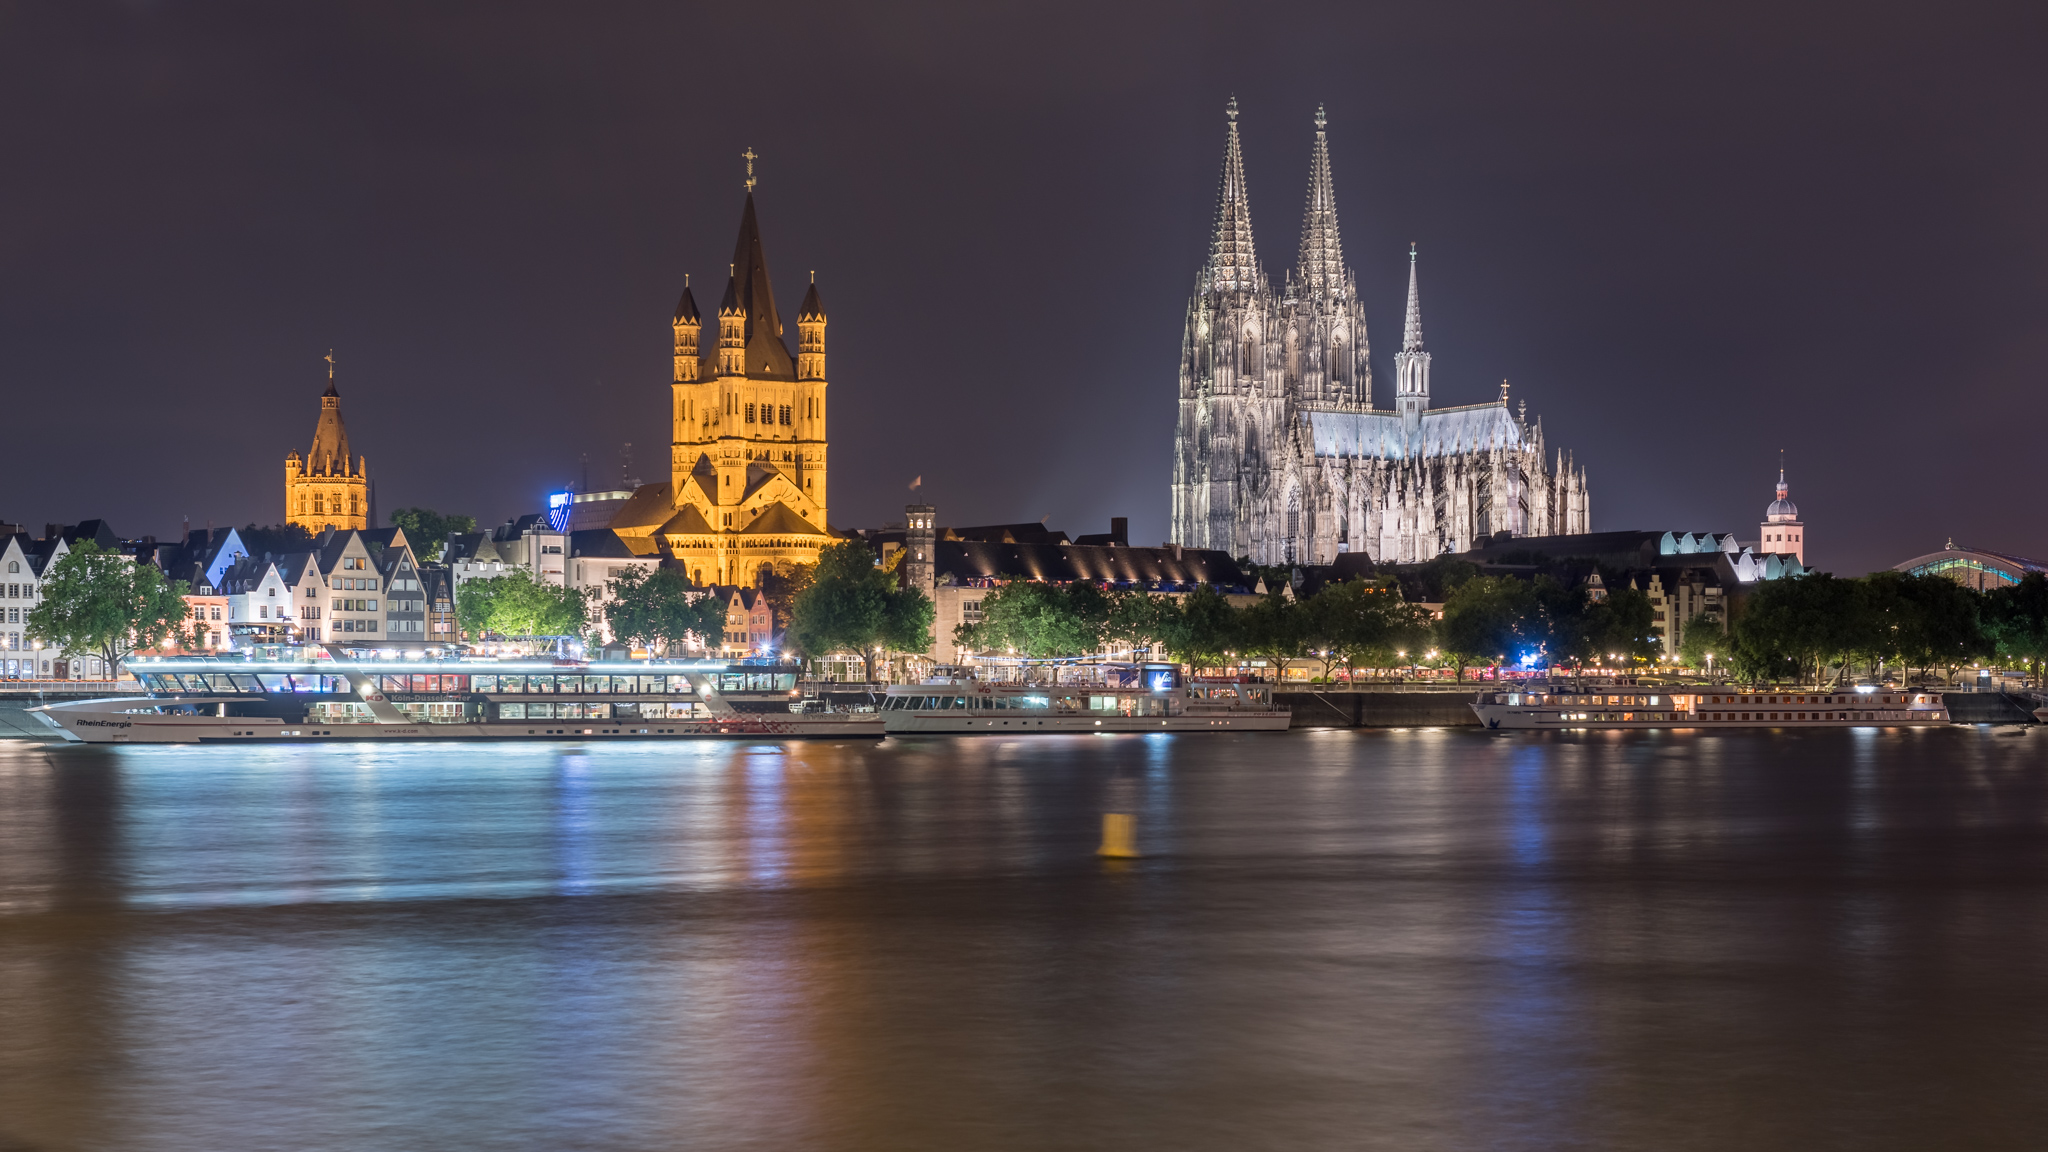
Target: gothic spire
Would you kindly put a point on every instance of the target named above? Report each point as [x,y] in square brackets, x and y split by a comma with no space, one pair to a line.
[1233,266]
[1411,336]
[750,293]
[1320,269]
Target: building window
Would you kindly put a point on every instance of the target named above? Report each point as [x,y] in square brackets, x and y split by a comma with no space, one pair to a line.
[785,414]
[750,413]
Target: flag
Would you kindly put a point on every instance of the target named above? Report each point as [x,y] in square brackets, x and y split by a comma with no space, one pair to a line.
[915,483]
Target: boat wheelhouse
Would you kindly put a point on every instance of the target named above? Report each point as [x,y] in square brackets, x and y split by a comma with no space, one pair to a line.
[1625,706]
[334,694]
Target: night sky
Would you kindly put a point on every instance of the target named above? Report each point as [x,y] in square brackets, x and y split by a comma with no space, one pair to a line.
[1690,239]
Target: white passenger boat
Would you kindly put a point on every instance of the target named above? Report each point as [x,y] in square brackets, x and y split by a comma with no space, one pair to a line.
[1148,699]
[325,694]
[1617,706]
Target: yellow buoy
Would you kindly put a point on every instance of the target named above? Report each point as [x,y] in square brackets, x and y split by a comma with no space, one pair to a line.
[1119,836]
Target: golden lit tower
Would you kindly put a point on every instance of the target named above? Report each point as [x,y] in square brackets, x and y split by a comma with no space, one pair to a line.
[325,489]
[746,486]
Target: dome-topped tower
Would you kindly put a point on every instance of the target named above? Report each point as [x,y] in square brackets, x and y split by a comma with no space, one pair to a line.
[1782,531]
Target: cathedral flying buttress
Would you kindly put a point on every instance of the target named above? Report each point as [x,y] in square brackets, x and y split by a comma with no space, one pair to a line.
[1280,454]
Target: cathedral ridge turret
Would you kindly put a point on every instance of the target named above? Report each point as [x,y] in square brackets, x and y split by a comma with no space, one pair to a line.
[1279,452]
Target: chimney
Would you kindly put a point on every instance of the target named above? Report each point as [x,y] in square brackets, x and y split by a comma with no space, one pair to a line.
[1120,530]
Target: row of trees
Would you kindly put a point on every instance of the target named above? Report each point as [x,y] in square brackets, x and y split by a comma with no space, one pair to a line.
[1351,624]
[845,603]
[1820,625]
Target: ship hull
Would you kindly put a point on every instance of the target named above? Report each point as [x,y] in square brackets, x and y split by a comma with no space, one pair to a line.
[115,721]
[906,723]
[1511,718]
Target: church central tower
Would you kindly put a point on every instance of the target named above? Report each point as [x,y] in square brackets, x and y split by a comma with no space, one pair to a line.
[748,447]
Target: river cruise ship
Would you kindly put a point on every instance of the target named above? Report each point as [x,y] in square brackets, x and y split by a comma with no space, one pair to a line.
[324,694]
[1149,699]
[1617,706]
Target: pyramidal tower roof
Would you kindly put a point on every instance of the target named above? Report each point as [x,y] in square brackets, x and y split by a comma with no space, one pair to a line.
[750,292]
[1233,265]
[329,454]
[1411,333]
[1320,268]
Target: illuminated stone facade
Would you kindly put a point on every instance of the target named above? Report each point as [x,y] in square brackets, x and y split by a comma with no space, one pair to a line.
[1279,453]
[324,489]
[747,465]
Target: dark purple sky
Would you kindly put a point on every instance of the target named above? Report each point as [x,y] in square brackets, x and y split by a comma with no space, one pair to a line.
[1689,238]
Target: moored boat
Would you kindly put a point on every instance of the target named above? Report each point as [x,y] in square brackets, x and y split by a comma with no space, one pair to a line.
[330,693]
[1151,698]
[1619,706]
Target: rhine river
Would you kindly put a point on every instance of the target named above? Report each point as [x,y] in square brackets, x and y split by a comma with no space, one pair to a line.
[1346,940]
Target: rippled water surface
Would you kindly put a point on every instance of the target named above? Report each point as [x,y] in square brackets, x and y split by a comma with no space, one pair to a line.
[1379,940]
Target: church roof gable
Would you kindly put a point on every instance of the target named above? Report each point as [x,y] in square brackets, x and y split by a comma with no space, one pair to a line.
[777,520]
[645,510]
[687,522]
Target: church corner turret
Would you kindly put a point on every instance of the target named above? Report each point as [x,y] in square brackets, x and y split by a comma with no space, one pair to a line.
[1279,453]
[810,327]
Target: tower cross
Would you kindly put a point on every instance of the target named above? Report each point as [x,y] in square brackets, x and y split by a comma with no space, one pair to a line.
[330,363]
[749,156]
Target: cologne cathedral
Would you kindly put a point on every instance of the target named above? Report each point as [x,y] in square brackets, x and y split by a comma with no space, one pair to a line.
[1280,454]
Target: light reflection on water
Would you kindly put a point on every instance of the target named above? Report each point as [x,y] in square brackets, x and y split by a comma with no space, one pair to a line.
[1409,939]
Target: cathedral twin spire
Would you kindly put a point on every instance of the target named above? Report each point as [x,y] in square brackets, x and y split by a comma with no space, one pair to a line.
[1233,263]
[1319,270]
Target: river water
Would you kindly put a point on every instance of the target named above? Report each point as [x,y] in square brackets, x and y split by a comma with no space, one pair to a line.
[1349,939]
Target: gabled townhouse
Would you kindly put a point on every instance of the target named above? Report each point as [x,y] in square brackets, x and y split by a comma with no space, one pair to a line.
[23,559]
[260,604]
[355,587]
[405,608]
[437,590]
[202,560]
[749,622]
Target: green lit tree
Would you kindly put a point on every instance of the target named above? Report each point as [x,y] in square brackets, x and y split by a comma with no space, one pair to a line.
[854,605]
[2016,620]
[1483,620]
[661,609]
[426,530]
[1039,620]
[515,604]
[106,604]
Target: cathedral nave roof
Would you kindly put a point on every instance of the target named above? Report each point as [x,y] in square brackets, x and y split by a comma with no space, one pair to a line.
[1440,432]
